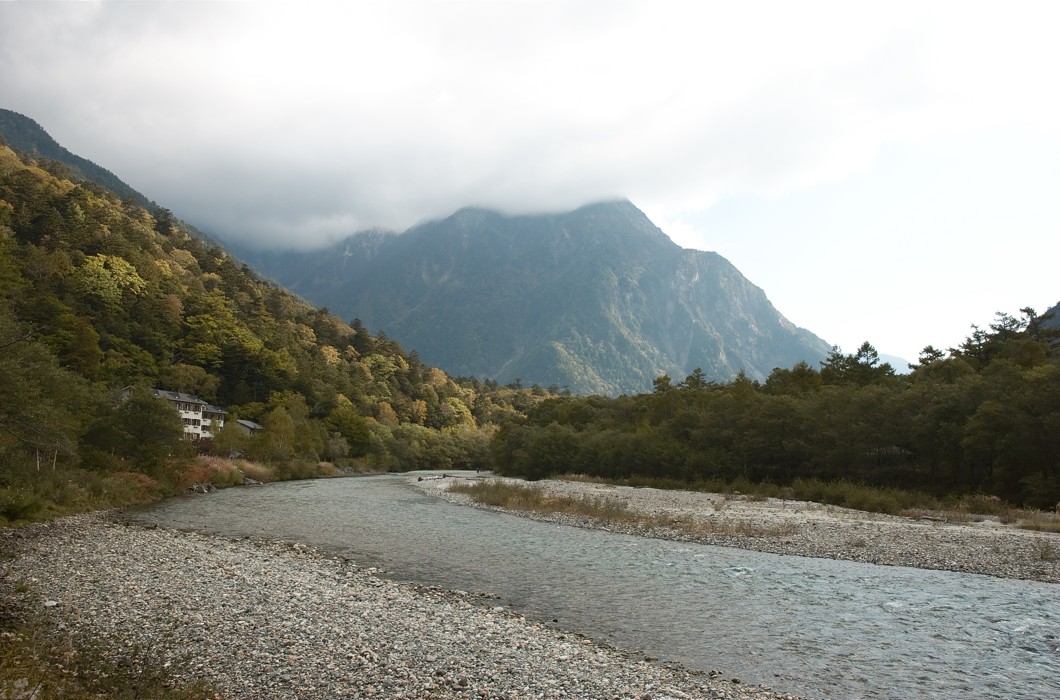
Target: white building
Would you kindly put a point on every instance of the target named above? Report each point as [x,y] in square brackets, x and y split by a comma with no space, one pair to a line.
[201,420]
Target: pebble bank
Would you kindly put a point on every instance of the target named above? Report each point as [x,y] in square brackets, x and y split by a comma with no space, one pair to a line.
[272,621]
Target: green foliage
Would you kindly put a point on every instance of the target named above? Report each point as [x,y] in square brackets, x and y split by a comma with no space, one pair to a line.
[141,428]
[107,279]
[351,427]
[40,402]
[863,367]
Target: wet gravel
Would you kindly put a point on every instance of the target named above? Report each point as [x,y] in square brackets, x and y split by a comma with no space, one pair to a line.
[268,620]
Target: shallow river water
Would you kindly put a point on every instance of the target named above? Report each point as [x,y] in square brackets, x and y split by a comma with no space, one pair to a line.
[816,627]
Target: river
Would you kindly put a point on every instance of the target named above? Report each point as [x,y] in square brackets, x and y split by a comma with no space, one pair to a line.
[816,627]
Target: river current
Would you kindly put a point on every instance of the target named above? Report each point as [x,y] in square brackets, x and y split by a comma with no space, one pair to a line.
[815,627]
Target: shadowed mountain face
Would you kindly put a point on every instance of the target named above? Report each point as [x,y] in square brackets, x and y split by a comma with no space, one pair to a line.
[598,300]
[1054,317]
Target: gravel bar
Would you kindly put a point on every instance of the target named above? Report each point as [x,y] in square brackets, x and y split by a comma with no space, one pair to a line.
[264,620]
[806,529]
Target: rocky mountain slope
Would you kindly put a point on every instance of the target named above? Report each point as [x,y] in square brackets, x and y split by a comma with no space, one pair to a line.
[598,300]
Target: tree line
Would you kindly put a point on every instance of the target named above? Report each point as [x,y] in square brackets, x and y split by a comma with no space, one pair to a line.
[980,418]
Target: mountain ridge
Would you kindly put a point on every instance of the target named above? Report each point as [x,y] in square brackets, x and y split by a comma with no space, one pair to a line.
[24,134]
[597,299]
[568,299]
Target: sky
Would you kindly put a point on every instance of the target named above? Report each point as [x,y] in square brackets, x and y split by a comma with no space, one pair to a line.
[883,171]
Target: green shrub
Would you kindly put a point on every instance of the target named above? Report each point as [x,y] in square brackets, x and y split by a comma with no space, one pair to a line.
[303,469]
[20,504]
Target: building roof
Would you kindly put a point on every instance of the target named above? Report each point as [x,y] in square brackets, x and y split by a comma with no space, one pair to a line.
[188,398]
[249,424]
[179,396]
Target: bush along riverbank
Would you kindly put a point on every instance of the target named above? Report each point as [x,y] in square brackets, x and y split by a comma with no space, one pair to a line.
[52,494]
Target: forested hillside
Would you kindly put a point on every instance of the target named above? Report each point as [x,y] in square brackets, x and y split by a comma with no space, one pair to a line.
[98,294]
[981,418]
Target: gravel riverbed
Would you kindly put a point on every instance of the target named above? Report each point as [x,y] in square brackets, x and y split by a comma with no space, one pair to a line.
[270,620]
[986,546]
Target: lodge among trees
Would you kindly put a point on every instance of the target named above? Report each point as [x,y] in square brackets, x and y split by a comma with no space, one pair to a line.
[200,419]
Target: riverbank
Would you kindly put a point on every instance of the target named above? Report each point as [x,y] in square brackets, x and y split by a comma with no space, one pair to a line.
[266,620]
[984,546]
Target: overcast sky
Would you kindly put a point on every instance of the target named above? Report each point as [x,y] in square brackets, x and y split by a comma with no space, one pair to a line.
[884,171]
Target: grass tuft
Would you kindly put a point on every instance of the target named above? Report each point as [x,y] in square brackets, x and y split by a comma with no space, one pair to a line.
[1046,550]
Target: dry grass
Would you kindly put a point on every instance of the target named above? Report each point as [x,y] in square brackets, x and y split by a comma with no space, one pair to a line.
[533,498]
[1038,520]
[967,508]
[223,472]
[1045,550]
[611,511]
[703,527]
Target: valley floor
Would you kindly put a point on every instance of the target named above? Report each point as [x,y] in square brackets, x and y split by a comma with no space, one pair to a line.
[809,529]
[267,620]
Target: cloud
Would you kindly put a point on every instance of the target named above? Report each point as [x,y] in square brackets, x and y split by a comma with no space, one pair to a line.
[285,121]
[295,123]
[383,114]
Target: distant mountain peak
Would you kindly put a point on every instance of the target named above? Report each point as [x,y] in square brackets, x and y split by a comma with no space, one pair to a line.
[597,299]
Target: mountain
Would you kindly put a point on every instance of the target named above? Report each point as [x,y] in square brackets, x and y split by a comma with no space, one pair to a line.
[900,364]
[1054,317]
[598,300]
[23,134]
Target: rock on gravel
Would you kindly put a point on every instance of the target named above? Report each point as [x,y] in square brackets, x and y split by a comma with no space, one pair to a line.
[265,620]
